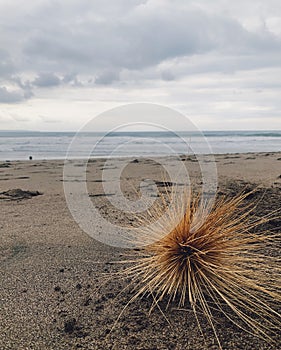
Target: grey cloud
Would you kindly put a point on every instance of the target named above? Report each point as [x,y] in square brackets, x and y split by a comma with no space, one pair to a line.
[72,79]
[7,67]
[141,39]
[132,44]
[213,63]
[69,77]
[7,96]
[167,75]
[20,90]
[27,94]
[97,38]
[25,86]
[107,77]
[46,80]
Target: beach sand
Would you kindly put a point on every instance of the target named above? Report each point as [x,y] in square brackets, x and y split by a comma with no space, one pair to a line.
[57,286]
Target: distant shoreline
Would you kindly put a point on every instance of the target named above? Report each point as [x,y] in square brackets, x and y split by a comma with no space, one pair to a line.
[143,133]
[55,145]
[103,158]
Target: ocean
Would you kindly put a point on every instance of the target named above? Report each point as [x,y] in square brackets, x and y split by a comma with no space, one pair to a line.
[19,145]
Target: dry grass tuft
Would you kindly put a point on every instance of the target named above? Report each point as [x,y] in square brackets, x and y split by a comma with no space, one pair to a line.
[214,262]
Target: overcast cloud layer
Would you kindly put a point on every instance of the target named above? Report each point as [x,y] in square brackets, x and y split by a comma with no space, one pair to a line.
[62,62]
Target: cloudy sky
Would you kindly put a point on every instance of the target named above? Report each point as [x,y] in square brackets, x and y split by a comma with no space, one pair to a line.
[63,62]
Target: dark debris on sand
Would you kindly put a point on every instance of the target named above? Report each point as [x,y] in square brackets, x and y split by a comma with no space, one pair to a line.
[5,165]
[18,194]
